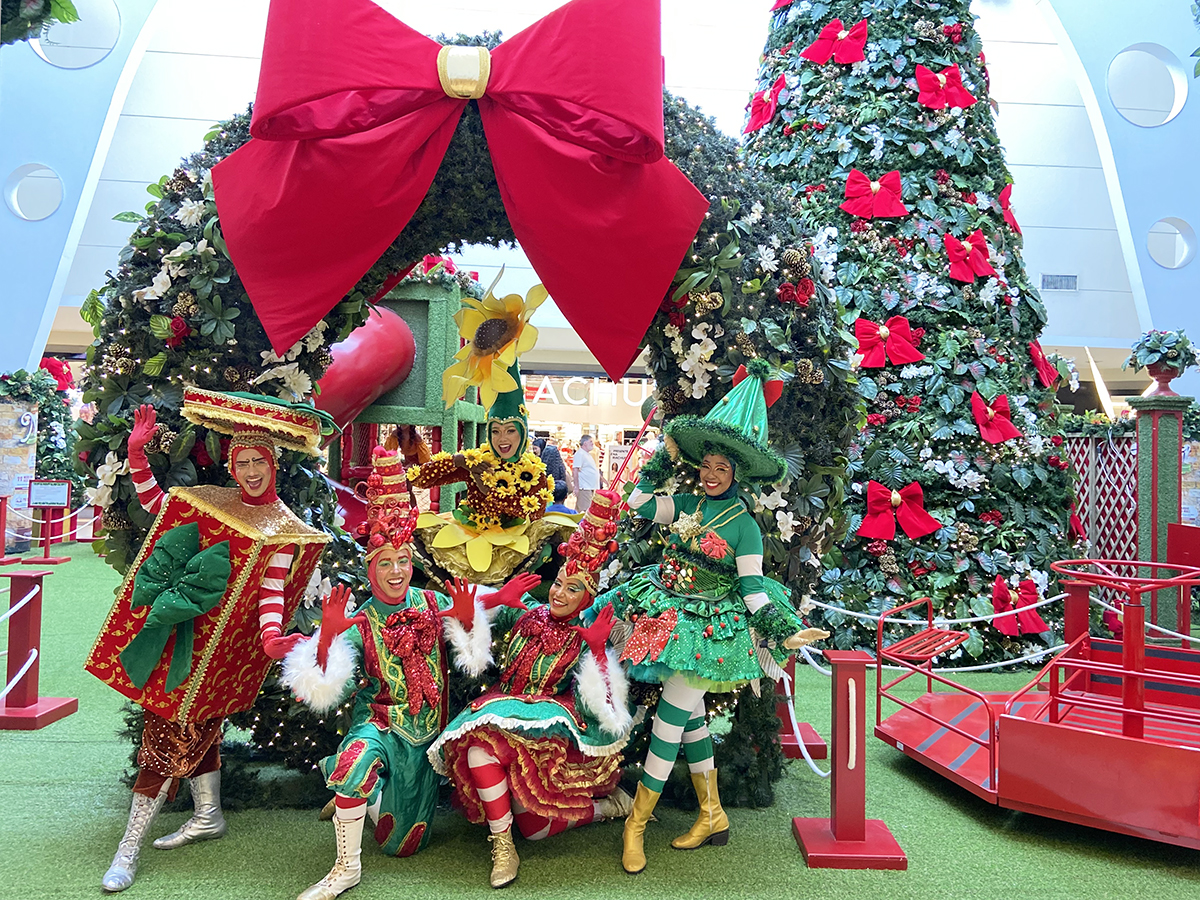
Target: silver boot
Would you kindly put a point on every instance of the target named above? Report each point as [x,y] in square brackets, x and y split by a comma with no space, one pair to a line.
[142,813]
[207,823]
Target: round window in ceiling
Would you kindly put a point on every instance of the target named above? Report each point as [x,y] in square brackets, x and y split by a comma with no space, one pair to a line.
[77,45]
[1147,84]
[33,192]
[1171,243]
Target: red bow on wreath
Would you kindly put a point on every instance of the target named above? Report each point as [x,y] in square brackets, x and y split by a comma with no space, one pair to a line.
[892,341]
[886,507]
[869,199]
[1048,375]
[943,89]
[845,46]
[1007,209]
[772,390]
[995,420]
[969,258]
[1003,600]
[763,105]
[354,113]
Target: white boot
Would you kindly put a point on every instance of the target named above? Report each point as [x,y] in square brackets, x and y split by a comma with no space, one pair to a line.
[347,870]
[616,805]
[142,813]
[207,823]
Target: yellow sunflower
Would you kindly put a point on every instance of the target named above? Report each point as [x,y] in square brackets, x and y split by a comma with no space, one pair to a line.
[528,471]
[497,331]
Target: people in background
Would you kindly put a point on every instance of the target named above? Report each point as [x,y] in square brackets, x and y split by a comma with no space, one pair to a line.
[587,474]
[560,499]
[413,449]
[552,459]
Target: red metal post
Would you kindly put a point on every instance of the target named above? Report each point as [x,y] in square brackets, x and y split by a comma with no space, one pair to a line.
[1075,610]
[5,560]
[1133,643]
[847,839]
[46,559]
[23,710]
[815,744]
[435,447]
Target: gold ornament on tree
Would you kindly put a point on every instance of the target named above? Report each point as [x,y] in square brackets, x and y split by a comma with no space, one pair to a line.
[706,303]
[745,345]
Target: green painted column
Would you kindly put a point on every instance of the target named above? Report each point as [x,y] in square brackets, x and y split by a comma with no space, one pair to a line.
[1159,484]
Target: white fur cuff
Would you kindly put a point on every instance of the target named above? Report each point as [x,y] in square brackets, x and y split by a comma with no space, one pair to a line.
[605,694]
[321,690]
[472,649]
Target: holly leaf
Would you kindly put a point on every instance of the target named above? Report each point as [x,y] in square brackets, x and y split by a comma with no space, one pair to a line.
[160,327]
[154,365]
[127,216]
[974,644]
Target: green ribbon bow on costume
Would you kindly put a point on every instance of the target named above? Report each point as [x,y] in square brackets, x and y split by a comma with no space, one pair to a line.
[178,582]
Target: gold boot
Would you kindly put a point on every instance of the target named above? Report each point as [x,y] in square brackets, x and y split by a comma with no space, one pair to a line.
[504,858]
[712,825]
[633,858]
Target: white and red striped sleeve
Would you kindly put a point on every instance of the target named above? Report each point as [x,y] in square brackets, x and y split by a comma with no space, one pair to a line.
[270,593]
[150,495]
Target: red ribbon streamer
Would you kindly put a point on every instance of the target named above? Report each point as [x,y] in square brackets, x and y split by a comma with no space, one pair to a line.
[1048,375]
[994,420]
[763,106]
[844,45]
[772,390]
[969,258]
[942,89]
[869,199]
[893,340]
[1007,209]
[886,507]
[350,126]
[1025,622]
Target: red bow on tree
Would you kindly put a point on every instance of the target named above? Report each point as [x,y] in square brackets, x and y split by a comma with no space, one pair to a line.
[772,390]
[885,507]
[943,89]
[1075,525]
[354,113]
[994,421]
[1007,209]
[1004,600]
[845,46]
[893,340]
[1048,375]
[763,105]
[873,199]
[968,258]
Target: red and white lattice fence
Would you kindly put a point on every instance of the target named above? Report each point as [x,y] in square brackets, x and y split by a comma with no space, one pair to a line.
[1107,493]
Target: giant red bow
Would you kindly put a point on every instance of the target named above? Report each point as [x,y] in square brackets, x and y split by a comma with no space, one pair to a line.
[1026,621]
[1007,208]
[873,199]
[968,258]
[892,340]
[650,636]
[1048,375]
[772,390]
[763,105]
[995,420]
[908,506]
[845,46]
[351,123]
[945,88]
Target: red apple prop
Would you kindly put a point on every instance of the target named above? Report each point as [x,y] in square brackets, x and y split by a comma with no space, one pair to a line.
[376,357]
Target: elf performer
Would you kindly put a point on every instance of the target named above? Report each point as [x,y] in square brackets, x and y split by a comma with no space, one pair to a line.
[200,614]
[396,642]
[702,615]
[543,747]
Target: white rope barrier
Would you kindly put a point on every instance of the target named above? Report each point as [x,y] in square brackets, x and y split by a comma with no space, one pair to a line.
[79,526]
[16,607]
[936,621]
[1159,628]
[1035,655]
[20,515]
[33,655]
[791,705]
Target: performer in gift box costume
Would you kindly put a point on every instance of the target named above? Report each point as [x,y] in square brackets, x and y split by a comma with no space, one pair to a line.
[395,640]
[701,615]
[543,747]
[201,612]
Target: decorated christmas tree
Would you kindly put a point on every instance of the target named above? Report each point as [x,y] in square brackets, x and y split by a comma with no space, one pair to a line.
[876,114]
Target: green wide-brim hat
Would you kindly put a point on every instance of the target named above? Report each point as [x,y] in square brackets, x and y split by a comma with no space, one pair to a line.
[736,428]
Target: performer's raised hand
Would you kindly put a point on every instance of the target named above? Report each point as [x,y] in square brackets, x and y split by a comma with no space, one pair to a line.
[145,422]
[462,597]
[334,620]
[513,591]
[596,634]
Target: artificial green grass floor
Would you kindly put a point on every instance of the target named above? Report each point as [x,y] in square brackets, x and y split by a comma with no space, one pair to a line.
[62,811]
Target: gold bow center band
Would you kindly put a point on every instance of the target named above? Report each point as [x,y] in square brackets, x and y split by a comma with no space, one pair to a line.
[464,71]
[884,332]
[896,499]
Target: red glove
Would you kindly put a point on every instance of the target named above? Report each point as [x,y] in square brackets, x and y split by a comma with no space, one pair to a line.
[334,620]
[144,425]
[596,634]
[278,646]
[511,593]
[462,597]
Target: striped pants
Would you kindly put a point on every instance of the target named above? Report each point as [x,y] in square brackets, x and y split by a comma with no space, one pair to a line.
[491,783]
[679,719]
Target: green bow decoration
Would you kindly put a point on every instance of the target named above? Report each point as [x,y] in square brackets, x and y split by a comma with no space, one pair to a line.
[178,582]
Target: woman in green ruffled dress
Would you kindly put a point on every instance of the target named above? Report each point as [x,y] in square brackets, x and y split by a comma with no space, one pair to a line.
[701,614]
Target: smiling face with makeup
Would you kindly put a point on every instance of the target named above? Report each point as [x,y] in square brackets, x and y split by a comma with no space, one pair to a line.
[505,438]
[568,596]
[253,471]
[390,571]
[716,474]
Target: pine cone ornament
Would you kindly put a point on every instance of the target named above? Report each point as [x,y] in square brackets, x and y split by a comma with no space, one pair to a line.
[745,345]
[124,365]
[888,564]
[185,304]
[232,375]
[808,373]
[115,519]
[791,257]
[706,303]
[323,359]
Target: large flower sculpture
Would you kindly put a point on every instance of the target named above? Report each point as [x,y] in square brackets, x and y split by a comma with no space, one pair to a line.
[497,331]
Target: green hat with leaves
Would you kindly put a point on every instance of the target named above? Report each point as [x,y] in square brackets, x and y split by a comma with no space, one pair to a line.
[735,428]
[509,406]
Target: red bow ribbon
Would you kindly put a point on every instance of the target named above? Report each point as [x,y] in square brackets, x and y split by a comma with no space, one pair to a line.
[995,420]
[650,636]
[1025,622]
[893,340]
[351,123]
[845,46]
[763,106]
[943,89]
[1048,375]
[780,4]
[410,635]
[885,507]
[869,199]
[1075,525]
[1004,198]
[772,390]
[968,258]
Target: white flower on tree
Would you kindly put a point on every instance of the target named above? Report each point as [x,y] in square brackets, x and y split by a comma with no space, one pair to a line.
[766,258]
[773,500]
[295,385]
[159,286]
[106,476]
[787,524]
[190,212]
